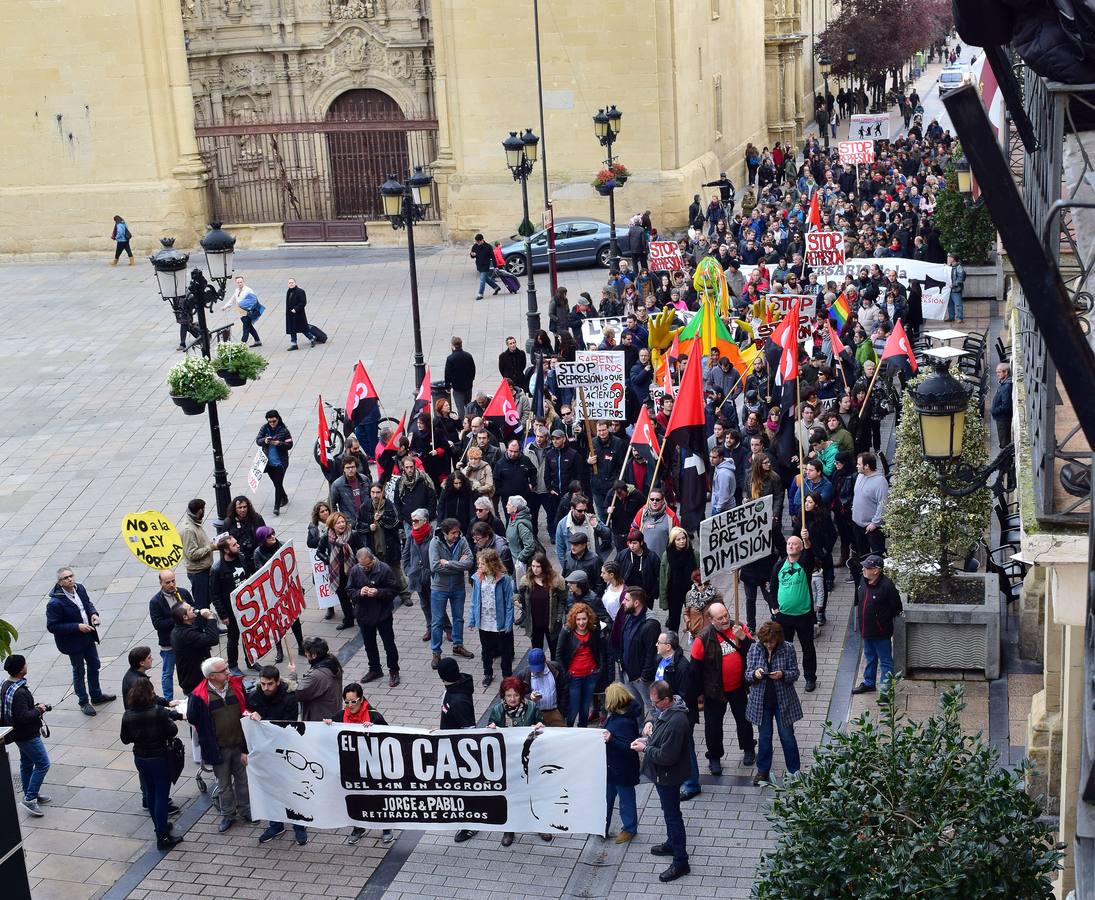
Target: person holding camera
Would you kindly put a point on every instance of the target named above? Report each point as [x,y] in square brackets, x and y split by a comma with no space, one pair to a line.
[771,671]
[194,636]
[19,712]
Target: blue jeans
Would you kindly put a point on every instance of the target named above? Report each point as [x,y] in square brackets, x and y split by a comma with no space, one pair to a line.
[33,765]
[954,305]
[167,677]
[249,328]
[438,600]
[486,278]
[629,815]
[199,589]
[581,695]
[693,782]
[786,738]
[155,772]
[670,797]
[87,661]
[877,651]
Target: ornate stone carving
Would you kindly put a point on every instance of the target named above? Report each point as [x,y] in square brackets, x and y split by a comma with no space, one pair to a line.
[188,8]
[353,9]
[236,9]
[248,74]
[249,155]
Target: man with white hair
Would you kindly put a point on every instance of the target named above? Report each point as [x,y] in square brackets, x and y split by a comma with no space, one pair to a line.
[215,709]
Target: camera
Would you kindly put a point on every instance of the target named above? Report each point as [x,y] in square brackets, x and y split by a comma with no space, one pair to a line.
[47,707]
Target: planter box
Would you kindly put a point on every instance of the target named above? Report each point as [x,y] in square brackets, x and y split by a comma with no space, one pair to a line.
[951,635]
[984,282]
[189,405]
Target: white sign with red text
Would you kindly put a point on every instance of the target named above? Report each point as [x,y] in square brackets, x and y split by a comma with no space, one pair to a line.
[856,153]
[322,581]
[664,256]
[824,248]
[268,603]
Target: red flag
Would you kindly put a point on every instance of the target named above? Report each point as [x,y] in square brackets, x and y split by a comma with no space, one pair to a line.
[324,435]
[644,437]
[686,430]
[667,378]
[424,399]
[834,339]
[361,399]
[788,361]
[385,462]
[897,344]
[502,407]
[813,217]
[675,349]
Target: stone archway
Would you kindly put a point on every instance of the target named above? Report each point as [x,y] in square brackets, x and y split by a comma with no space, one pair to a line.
[360,160]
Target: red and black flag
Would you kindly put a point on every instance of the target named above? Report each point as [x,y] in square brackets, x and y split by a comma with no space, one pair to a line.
[385,463]
[324,436]
[687,431]
[502,410]
[423,402]
[361,400]
[643,439]
[897,344]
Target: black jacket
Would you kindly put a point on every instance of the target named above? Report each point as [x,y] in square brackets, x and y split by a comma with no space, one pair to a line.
[876,606]
[514,476]
[457,710]
[159,611]
[371,610]
[26,718]
[568,646]
[149,729]
[222,581]
[560,469]
[668,762]
[679,675]
[641,571]
[512,365]
[130,678]
[483,254]
[296,319]
[279,433]
[191,644]
[641,658]
[282,707]
[460,370]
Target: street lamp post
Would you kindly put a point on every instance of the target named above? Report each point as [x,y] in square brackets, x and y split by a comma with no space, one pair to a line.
[196,297]
[850,56]
[404,205]
[606,126]
[521,152]
[826,66]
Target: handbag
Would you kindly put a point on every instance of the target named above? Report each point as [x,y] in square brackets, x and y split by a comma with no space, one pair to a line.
[176,754]
[256,311]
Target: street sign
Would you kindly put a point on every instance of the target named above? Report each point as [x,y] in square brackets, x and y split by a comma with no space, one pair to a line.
[547,218]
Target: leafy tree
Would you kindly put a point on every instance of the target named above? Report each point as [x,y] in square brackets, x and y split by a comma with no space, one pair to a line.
[927,531]
[884,33]
[8,636]
[900,809]
[967,233]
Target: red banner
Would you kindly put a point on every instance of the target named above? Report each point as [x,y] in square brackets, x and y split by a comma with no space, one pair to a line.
[268,603]
[664,256]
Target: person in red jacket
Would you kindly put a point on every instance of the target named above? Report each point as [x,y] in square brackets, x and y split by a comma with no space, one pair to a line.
[877,604]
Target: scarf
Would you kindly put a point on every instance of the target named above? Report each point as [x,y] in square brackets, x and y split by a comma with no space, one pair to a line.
[361,718]
[515,713]
[421,534]
[341,557]
[9,699]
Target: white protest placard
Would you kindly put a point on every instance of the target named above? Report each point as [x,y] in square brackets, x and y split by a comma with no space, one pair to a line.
[736,537]
[784,303]
[268,603]
[322,581]
[593,330]
[254,475]
[664,256]
[870,127]
[824,248]
[600,375]
[490,779]
[856,153]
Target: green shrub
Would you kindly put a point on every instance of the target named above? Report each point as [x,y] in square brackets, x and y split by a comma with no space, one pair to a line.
[195,377]
[238,359]
[968,234]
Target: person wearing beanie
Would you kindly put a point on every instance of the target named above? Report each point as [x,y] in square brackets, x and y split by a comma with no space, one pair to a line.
[457,708]
[547,684]
[19,712]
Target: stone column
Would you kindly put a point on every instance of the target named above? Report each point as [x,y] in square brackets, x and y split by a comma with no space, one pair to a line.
[1072,722]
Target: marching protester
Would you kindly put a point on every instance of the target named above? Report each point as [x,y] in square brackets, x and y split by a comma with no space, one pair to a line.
[771,671]
[547,684]
[492,613]
[513,709]
[319,689]
[374,587]
[457,709]
[450,560]
[198,551]
[230,571]
[542,601]
[719,654]
[268,546]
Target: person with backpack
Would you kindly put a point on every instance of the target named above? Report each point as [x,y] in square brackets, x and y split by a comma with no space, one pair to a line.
[121,236]
[247,306]
[19,712]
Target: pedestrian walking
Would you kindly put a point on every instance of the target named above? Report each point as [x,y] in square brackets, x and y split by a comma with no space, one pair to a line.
[276,441]
[541,596]
[246,304]
[793,601]
[296,319]
[667,764]
[678,562]
[150,728]
[24,717]
[620,732]
[159,611]
[877,604]
[73,621]
[491,612]
[374,587]
[215,709]
[771,672]
[198,551]
[483,254]
[121,236]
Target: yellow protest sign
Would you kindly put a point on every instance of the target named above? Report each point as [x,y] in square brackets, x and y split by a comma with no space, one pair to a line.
[152,538]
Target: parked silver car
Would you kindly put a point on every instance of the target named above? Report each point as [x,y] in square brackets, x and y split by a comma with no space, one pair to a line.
[578,242]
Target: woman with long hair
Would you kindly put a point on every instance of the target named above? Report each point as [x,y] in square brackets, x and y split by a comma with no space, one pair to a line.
[492,613]
[542,599]
[317,527]
[149,728]
[678,563]
[338,549]
[455,500]
[819,524]
[580,656]
[241,523]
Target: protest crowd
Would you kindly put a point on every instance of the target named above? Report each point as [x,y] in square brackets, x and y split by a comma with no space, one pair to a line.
[559,515]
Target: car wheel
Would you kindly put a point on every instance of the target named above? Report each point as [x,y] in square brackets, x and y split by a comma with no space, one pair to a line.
[604,256]
[515,264]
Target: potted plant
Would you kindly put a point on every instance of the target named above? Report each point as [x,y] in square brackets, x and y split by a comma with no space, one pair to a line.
[194,383]
[605,182]
[899,808]
[621,173]
[237,364]
[952,618]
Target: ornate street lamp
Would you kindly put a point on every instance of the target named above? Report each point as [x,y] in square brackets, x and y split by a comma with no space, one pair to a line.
[219,247]
[965,184]
[521,152]
[404,205]
[606,128]
[850,55]
[826,66]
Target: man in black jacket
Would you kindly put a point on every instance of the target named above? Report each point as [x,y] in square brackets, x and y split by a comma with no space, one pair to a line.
[676,670]
[877,604]
[19,712]
[607,455]
[667,765]
[460,375]
[457,709]
[159,611]
[483,254]
[560,469]
[374,587]
[229,571]
[193,636]
[514,473]
[638,644]
[512,362]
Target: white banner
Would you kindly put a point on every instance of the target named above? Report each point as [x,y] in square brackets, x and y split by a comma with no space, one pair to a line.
[736,537]
[593,330]
[664,256]
[856,153]
[870,127]
[599,374]
[824,248]
[327,597]
[550,781]
[258,467]
[268,603]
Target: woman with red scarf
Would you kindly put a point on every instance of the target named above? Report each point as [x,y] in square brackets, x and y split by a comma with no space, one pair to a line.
[356,711]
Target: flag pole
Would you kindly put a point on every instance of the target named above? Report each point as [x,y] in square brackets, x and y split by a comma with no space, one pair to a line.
[798,433]
[737,598]
[741,381]
[585,424]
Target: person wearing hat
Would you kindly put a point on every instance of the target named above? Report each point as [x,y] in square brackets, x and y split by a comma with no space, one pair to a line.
[580,590]
[579,520]
[877,604]
[580,558]
[547,684]
[457,708]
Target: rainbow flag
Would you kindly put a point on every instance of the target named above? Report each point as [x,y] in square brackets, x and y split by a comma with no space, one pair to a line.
[840,311]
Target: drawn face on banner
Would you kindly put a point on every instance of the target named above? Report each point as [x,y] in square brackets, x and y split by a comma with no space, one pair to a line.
[545,772]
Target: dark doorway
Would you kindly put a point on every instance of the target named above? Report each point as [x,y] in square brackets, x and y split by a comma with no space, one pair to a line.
[362,160]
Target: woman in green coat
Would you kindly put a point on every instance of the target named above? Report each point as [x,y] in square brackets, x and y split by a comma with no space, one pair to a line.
[541,598]
[513,709]
[679,561]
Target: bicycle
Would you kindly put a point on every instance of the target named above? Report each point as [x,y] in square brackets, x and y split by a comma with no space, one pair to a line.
[340,429]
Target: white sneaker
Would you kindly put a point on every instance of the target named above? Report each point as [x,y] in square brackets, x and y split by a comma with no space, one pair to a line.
[32,807]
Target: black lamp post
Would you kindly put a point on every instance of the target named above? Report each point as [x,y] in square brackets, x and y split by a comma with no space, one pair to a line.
[404,205]
[940,402]
[196,297]
[521,152]
[606,126]
[826,66]
[850,55]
